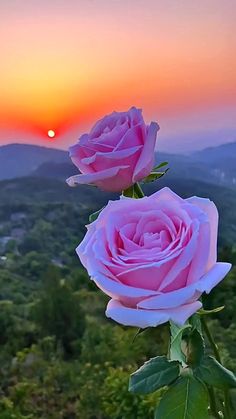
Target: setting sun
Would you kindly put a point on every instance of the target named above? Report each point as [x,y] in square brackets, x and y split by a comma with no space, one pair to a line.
[51,133]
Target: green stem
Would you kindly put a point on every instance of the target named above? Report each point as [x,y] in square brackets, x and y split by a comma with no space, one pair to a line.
[227,404]
[211,340]
[213,405]
[227,401]
[138,190]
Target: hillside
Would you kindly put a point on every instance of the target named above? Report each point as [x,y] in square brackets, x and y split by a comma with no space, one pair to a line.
[22,159]
[217,155]
[217,164]
[180,166]
[22,193]
[60,356]
[221,161]
[40,175]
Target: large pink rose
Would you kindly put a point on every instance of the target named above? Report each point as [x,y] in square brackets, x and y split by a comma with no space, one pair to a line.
[118,151]
[154,257]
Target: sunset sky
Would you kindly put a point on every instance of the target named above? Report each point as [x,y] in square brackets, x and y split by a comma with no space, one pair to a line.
[65,63]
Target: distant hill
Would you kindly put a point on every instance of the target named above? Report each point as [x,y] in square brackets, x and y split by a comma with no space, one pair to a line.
[56,170]
[221,160]
[180,166]
[217,165]
[36,190]
[17,194]
[215,155]
[18,160]
[195,167]
[187,142]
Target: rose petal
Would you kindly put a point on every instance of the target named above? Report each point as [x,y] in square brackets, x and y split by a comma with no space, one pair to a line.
[109,157]
[78,153]
[146,160]
[199,263]
[109,138]
[149,318]
[133,136]
[107,121]
[135,116]
[183,295]
[213,277]
[210,209]
[169,299]
[120,291]
[148,276]
[186,256]
[167,195]
[95,178]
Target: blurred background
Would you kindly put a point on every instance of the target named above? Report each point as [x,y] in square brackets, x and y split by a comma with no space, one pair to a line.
[64,64]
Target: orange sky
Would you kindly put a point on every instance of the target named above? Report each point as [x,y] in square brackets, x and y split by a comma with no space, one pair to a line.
[64,63]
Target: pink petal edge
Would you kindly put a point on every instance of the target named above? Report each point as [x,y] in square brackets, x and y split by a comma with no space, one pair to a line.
[146,318]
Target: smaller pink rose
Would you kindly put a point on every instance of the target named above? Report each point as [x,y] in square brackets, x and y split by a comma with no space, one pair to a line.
[118,151]
[154,257]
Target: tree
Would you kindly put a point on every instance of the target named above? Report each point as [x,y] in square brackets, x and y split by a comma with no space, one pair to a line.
[59,314]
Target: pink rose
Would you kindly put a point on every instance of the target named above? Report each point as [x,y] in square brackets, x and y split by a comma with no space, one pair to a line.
[118,151]
[154,257]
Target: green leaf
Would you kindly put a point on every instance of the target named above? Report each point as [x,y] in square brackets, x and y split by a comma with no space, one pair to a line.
[176,353]
[193,347]
[95,215]
[214,374]
[154,176]
[130,192]
[139,331]
[203,312]
[195,321]
[164,163]
[187,398]
[154,374]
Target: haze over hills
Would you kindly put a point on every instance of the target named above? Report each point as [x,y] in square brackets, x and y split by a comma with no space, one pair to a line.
[217,165]
[22,159]
[221,160]
[37,175]
[190,141]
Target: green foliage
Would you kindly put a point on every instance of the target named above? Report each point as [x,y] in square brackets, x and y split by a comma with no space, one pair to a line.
[154,176]
[44,387]
[58,312]
[153,375]
[118,403]
[203,312]
[186,399]
[94,215]
[176,332]
[115,344]
[92,376]
[160,165]
[213,373]
[193,348]
[9,411]
[60,358]
[156,173]
[130,192]
[193,368]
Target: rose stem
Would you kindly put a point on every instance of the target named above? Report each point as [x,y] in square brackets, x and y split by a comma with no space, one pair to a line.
[218,358]
[213,406]
[138,190]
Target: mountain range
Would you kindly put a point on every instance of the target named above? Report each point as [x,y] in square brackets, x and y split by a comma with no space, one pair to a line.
[215,165]
[17,160]
[32,175]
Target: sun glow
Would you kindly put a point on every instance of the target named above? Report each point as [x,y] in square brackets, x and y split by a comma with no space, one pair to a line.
[69,75]
[51,133]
